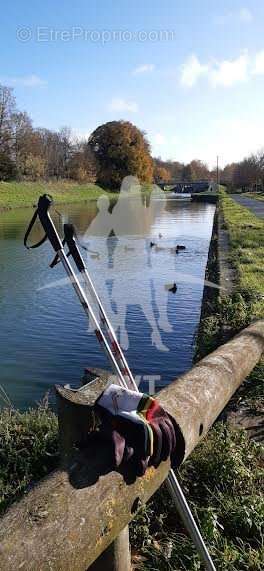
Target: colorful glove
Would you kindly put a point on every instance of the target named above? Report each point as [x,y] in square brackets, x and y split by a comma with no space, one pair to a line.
[141,433]
[164,431]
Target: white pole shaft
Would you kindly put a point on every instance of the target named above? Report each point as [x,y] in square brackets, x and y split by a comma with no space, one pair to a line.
[111,332]
[89,312]
[188,519]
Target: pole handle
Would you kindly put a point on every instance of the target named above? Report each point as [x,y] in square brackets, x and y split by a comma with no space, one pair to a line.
[69,237]
[44,204]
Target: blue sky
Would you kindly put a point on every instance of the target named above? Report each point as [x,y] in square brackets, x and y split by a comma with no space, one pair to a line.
[188,72]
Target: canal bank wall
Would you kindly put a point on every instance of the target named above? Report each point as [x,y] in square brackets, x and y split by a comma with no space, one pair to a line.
[212,198]
[219,270]
[226,309]
[222,313]
[205,340]
[212,271]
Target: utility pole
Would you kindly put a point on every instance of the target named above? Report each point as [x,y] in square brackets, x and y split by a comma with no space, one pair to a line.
[217,169]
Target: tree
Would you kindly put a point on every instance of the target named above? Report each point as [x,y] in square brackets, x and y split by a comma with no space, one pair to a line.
[187,173]
[199,170]
[174,168]
[55,149]
[121,149]
[82,165]
[194,171]
[161,174]
[21,146]
[227,174]
[65,150]
[34,167]
[246,173]
[7,108]
[7,167]
[259,161]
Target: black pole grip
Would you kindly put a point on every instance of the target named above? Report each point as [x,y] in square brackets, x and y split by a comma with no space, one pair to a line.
[44,203]
[69,237]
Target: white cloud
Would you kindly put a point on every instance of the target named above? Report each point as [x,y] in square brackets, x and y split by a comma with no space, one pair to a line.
[144,68]
[245,15]
[229,72]
[119,104]
[245,136]
[26,81]
[191,71]
[225,73]
[258,67]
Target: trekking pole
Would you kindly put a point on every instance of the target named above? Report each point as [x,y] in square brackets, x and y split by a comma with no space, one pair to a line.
[44,204]
[172,483]
[69,238]
[186,515]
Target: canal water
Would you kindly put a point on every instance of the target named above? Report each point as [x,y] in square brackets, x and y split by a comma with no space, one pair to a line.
[44,335]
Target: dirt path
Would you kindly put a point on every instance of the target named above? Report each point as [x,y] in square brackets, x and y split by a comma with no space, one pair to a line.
[256,206]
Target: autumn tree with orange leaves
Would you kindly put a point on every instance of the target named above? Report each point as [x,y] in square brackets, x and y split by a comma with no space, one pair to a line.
[121,149]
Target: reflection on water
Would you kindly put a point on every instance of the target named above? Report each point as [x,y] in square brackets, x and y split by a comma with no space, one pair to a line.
[43,332]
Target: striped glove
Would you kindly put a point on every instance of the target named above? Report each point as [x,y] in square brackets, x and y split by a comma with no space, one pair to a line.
[139,430]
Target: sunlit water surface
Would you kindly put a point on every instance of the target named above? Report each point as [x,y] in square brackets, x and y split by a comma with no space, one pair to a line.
[43,330]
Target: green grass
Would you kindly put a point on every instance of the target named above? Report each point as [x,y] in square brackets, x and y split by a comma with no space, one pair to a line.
[28,450]
[223,482]
[246,234]
[223,479]
[23,194]
[19,194]
[231,313]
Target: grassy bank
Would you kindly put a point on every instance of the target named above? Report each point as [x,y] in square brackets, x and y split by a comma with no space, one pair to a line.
[229,314]
[222,481]
[246,233]
[224,476]
[19,194]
